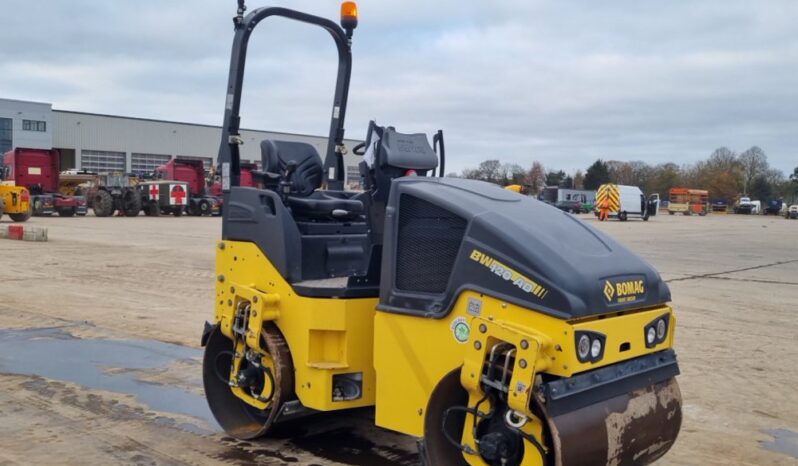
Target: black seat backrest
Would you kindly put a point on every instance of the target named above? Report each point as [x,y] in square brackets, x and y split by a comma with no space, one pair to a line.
[275,155]
[408,151]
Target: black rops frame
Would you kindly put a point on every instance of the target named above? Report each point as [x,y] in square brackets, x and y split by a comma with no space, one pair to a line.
[229,155]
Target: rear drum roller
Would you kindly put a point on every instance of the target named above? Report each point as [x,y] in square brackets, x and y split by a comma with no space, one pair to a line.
[437,449]
[234,415]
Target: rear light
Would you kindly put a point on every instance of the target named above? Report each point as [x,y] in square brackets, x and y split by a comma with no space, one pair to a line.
[411,172]
[25,196]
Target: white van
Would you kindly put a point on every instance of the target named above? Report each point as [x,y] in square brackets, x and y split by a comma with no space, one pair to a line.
[627,201]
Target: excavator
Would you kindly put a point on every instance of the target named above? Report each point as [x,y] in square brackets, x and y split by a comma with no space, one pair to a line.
[495,329]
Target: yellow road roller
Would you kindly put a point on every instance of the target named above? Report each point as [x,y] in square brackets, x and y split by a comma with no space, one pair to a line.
[494,328]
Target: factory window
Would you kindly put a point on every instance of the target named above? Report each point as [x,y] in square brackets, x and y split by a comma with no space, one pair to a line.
[103,161]
[34,125]
[5,135]
[143,164]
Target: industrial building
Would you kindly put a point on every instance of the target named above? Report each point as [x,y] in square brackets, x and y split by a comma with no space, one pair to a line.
[110,143]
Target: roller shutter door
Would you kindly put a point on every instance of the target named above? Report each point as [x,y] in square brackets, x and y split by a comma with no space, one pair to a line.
[103,161]
[147,163]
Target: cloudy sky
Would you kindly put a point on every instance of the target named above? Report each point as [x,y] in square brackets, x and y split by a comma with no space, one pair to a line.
[562,82]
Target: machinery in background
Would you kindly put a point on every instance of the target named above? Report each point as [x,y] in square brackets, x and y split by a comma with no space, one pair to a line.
[774,207]
[745,206]
[626,202]
[569,200]
[434,300]
[76,182]
[791,212]
[37,170]
[15,202]
[163,197]
[128,195]
[687,201]
[192,172]
[115,192]
[719,206]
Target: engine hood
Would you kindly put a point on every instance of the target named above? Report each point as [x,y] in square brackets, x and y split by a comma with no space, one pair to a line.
[512,247]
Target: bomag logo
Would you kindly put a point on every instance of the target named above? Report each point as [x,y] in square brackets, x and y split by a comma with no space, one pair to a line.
[506,273]
[624,291]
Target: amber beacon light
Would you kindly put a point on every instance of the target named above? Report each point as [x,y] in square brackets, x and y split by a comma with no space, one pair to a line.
[349,16]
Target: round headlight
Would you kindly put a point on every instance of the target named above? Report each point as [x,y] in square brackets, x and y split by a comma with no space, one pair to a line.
[661,327]
[583,347]
[651,335]
[595,349]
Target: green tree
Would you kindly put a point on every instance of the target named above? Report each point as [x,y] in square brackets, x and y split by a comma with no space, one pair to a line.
[555,178]
[597,175]
[754,164]
[760,189]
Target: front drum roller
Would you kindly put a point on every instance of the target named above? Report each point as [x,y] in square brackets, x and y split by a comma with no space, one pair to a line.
[237,417]
[631,428]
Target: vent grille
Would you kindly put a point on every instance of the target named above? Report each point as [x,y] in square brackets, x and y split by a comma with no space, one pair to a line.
[428,241]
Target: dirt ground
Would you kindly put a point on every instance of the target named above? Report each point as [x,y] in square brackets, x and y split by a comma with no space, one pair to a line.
[100,358]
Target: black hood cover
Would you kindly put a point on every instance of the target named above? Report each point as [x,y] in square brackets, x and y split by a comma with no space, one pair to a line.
[515,248]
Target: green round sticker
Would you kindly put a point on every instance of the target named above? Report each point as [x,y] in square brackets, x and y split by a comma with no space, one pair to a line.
[461,332]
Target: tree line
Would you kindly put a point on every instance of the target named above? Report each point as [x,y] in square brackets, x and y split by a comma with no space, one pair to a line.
[726,174]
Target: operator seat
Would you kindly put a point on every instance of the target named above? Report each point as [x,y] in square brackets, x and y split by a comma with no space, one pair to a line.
[299,165]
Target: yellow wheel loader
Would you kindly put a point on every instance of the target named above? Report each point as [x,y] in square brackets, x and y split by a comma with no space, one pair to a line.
[15,202]
[496,329]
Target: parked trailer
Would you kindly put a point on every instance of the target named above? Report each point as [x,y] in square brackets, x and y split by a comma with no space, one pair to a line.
[164,197]
[38,171]
[192,172]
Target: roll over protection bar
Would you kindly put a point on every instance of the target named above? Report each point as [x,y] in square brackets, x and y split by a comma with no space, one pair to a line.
[229,154]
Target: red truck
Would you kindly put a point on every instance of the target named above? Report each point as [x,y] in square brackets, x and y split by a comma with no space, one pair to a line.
[192,172]
[38,171]
[247,179]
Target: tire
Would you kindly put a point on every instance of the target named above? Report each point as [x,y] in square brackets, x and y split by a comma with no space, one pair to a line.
[67,211]
[21,217]
[152,209]
[102,204]
[204,207]
[131,203]
[38,206]
[192,209]
[622,216]
[178,212]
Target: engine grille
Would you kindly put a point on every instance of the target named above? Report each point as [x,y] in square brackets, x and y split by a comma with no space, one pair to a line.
[428,241]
